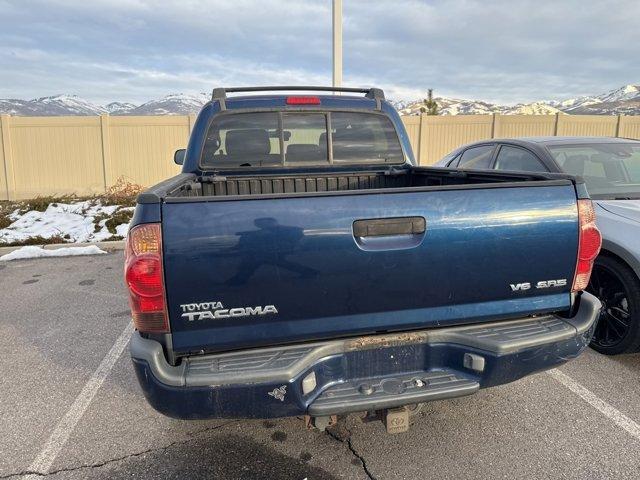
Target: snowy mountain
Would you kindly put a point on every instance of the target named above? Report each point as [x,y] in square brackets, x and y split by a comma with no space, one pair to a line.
[119,108]
[51,106]
[68,105]
[628,92]
[174,104]
[455,106]
[16,107]
[535,108]
[624,100]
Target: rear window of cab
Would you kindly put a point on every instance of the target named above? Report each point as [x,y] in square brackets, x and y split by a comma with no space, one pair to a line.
[259,139]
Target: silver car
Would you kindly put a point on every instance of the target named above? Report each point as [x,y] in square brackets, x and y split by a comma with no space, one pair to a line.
[611,170]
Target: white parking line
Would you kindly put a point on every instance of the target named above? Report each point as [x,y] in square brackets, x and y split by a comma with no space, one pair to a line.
[65,427]
[613,414]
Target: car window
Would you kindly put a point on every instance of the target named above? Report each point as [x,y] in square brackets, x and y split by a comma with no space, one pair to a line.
[632,164]
[477,157]
[363,137]
[515,158]
[454,162]
[247,139]
[610,170]
[306,140]
[448,160]
[255,139]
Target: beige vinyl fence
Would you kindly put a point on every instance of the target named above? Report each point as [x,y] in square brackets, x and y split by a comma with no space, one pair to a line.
[85,155]
[432,137]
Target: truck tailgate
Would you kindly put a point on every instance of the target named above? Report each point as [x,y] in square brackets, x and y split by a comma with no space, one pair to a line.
[252,272]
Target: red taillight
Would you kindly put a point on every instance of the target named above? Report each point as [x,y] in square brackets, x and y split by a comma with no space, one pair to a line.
[144,277]
[303,100]
[589,245]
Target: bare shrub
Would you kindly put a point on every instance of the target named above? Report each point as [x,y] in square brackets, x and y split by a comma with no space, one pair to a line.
[123,192]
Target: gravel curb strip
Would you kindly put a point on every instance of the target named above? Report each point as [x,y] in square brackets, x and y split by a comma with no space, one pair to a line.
[108,246]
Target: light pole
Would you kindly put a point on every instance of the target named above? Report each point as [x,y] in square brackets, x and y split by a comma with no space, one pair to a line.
[337,43]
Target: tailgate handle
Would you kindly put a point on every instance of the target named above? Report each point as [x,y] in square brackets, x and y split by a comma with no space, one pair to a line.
[380,227]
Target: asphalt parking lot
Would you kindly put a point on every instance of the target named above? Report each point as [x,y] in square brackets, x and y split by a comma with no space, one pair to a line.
[65,321]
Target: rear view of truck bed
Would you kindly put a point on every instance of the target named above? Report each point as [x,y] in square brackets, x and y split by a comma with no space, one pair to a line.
[302,264]
[353,262]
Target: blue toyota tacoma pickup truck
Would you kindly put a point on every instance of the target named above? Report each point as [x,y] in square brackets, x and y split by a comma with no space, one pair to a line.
[303,264]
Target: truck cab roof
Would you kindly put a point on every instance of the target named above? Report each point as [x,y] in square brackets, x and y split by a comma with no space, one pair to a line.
[259,137]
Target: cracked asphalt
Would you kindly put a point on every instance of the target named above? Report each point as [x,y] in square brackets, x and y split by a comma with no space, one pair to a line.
[60,317]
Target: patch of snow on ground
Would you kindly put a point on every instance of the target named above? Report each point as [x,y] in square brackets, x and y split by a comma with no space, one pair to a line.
[75,220]
[122,230]
[38,252]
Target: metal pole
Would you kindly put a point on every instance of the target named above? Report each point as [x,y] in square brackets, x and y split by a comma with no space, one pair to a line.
[337,43]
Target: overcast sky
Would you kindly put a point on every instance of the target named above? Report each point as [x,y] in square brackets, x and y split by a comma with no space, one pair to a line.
[137,50]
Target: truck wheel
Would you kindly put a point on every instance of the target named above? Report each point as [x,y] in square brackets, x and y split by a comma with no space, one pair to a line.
[618,288]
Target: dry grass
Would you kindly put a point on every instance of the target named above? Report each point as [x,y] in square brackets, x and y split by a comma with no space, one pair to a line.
[5,210]
[112,221]
[118,218]
[122,193]
[40,204]
[36,241]
[97,219]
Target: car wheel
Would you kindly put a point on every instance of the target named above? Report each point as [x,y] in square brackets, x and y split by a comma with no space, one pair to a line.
[618,288]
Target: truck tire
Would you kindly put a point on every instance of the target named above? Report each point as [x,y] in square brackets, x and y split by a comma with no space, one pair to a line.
[618,288]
